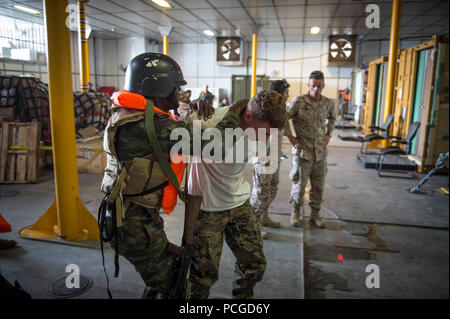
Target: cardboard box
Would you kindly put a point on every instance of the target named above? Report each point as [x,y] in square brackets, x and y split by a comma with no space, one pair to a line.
[91,158]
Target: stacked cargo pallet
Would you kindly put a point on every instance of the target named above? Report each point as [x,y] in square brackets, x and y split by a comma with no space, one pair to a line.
[91,109]
[24,99]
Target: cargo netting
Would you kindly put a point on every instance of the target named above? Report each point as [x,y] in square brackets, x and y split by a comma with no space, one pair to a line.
[26,99]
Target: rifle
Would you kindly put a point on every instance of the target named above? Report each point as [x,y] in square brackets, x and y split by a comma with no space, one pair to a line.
[193,190]
[442,162]
[10,292]
[184,254]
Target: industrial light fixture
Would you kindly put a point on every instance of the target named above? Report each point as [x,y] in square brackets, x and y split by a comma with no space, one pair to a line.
[25,9]
[209,33]
[162,3]
[315,30]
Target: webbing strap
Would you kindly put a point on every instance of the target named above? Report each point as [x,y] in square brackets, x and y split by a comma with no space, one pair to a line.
[151,135]
[148,191]
[101,226]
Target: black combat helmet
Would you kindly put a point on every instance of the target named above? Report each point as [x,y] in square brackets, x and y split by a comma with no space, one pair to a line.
[279,85]
[153,75]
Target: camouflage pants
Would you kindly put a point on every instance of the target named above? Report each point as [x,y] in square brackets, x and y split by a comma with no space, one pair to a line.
[301,171]
[241,231]
[265,187]
[143,243]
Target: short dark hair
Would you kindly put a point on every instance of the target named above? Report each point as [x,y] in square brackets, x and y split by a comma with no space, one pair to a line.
[269,106]
[316,75]
[279,85]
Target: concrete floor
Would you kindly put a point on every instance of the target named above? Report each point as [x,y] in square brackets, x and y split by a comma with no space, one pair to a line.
[369,220]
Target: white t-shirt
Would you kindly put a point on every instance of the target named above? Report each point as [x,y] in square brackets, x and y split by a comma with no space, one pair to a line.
[222,185]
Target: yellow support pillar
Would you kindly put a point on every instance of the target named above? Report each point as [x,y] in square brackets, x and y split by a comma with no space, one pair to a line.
[66,219]
[83,47]
[166,44]
[392,62]
[165,32]
[254,59]
[255,28]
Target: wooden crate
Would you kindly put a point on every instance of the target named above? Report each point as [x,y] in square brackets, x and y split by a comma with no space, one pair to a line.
[91,158]
[19,144]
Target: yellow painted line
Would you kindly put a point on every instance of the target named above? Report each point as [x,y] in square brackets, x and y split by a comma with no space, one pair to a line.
[50,148]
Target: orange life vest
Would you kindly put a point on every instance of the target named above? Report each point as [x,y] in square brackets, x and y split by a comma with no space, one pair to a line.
[132,100]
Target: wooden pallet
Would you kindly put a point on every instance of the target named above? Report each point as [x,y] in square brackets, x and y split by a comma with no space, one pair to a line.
[19,144]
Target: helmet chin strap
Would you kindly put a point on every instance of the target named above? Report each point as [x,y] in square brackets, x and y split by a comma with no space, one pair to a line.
[174,103]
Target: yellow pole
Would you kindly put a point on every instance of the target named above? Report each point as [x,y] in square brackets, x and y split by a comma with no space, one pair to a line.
[66,218]
[254,58]
[83,48]
[166,44]
[392,62]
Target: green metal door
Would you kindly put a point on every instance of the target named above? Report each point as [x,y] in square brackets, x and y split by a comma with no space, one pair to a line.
[418,94]
[241,85]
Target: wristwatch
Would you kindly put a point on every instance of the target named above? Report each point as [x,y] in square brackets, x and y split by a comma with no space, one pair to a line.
[330,134]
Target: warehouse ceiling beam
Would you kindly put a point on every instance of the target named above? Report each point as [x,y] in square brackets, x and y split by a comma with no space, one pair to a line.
[67,220]
[165,32]
[255,28]
[392,62]
[83,44]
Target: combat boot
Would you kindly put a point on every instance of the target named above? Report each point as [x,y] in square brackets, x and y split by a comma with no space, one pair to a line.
[316,219]
[296,217]
[150,293]
[266,221]
[7,244]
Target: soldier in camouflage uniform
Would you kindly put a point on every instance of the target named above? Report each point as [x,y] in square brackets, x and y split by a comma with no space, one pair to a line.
[185,96]
[206,96]
[309,114]
[143,241]
[265,186]
[226,211]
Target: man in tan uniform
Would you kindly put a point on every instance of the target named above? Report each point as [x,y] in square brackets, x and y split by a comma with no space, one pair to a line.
[309,114]
[265,186]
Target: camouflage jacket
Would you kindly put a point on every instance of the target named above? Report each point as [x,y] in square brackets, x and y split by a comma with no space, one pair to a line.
[132,139]
[208,97]
[312,120]
[184,98]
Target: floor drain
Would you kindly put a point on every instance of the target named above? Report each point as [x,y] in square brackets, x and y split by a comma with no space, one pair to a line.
[4,194]
[59,288]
